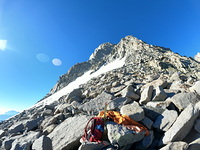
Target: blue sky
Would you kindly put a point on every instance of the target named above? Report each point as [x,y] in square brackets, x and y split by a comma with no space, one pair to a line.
[37,31]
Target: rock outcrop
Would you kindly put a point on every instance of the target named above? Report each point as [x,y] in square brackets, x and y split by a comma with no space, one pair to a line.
[155,87]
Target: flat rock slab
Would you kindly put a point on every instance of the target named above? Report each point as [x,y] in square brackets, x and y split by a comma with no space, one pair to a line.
[121,135]
[68,134]
[182,125]
[182,100]
[97,104]
[165,120]
[134,111]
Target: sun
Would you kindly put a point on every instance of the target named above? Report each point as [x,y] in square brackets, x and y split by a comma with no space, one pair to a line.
[3,44]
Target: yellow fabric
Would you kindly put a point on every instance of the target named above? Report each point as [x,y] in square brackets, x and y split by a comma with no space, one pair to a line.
[124,120]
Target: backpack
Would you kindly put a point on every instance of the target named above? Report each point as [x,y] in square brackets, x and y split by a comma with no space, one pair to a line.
[94,130]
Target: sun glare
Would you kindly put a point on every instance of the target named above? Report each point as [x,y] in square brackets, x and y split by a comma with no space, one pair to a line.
[3,44]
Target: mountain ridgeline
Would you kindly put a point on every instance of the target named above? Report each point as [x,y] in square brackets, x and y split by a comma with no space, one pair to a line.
[152,85]
[141,58]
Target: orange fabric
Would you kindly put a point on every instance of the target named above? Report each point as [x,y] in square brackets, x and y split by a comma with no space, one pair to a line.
[124,120]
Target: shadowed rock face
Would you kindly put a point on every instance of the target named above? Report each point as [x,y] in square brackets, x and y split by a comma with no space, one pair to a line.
[156,87]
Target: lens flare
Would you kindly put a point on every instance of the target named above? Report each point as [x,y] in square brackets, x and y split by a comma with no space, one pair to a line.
[42,57]
[57,62]
[3,44]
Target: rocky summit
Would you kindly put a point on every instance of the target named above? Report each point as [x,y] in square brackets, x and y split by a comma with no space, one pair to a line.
[151,84]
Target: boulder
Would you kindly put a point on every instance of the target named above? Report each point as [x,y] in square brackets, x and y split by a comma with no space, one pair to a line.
[146,94]
[152,112]
[2,133]
[158,82]
[159,94]
[62,108]
[49,129]
[19,127]
[33,124]
[134,111]
[24,142]
[117,89]
[121,135]
[176,146]
[147,122]
[128,92]
[116,103]
[93,145]
[145,142]
[163,121]
[42,143]
[182,125]
[159,104]
[47,112]
[76,94]
[67,134]
[97,104]
[182,100]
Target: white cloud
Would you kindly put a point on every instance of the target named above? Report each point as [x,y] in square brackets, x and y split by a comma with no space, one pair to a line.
[3,44]
[57,62]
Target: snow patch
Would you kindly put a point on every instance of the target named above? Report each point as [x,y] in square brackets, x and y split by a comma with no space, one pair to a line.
[81,80]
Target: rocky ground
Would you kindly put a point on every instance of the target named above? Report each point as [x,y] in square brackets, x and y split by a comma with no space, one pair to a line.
[155,87]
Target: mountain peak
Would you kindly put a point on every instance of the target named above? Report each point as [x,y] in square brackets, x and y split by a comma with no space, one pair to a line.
[102,50]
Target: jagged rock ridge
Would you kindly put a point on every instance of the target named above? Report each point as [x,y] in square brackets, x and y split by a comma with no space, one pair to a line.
[153,84]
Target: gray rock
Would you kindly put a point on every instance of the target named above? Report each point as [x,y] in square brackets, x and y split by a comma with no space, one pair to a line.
[116,103]
[128,92]
[182,100]
[121,135]
[74,93]
[67,134]
[49,129]
[33,124]
[193,135]
[92,145]
[97,104]
[159,104]
[195,145]
[7,143]
[47,112]
[25,141]
[195,87]
[175,76]
[152,112]
[197,125]
[43,143]
[176,146]
[147,122]
[146,94]
[145,142]
[2,133]
[16,128]
[165,121]
[62,108]
[75,104]
[182,125]
[117,89]
[134,111]
[159,94]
